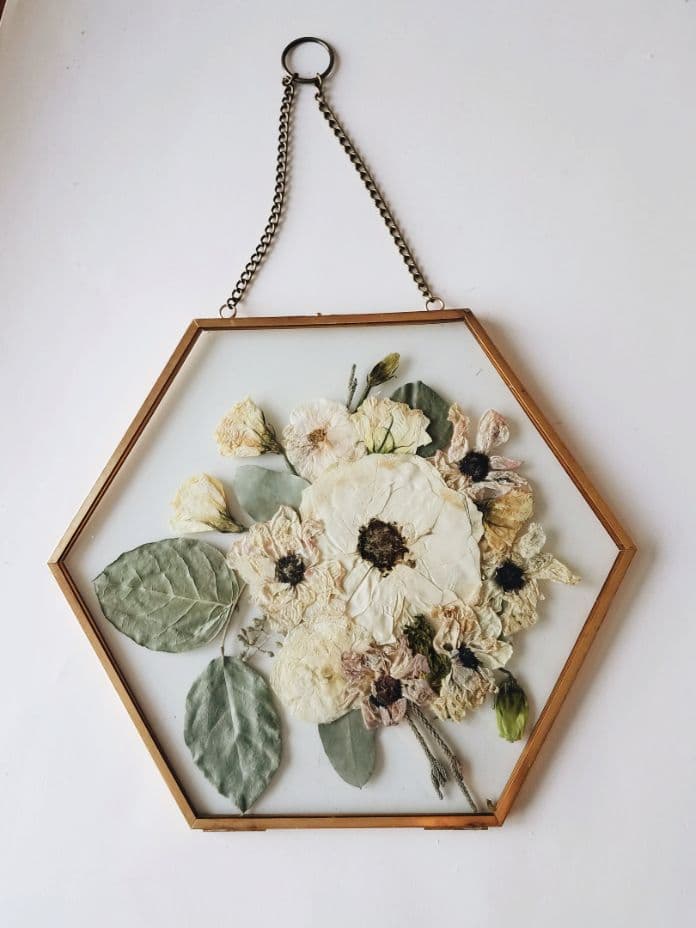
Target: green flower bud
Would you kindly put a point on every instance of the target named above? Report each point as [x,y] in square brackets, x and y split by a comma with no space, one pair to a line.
[511,709]
[385,370]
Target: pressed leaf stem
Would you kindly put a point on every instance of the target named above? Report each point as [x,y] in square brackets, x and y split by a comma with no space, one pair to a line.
[454,764]
[363,396]
[228,620]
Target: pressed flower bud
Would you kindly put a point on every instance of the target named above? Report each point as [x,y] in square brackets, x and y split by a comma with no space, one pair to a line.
[385,370]
[511,709]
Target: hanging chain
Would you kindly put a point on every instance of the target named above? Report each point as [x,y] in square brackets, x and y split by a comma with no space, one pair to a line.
[229,307]
[377,198]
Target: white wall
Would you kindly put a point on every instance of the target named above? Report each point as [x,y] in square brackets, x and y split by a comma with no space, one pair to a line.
[542,158]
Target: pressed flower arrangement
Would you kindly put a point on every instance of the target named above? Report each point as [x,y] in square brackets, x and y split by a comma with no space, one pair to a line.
[391,563]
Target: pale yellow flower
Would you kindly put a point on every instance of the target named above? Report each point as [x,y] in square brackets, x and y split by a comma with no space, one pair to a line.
[307,675]
[200,506]
[287,576]
[320,433]
[387,427]
[471,639]
[503,517]
[512,582]
[244,432]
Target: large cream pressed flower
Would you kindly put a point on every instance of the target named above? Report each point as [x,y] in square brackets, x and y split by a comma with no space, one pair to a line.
[406,541]
[319,434]
[308,676]
[512,584]
[285,571]
[387,427]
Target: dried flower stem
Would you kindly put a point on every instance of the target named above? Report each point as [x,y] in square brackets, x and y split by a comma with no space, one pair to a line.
[438,774]
[454,765]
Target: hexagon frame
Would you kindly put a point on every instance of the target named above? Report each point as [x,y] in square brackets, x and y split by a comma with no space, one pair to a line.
[625,552]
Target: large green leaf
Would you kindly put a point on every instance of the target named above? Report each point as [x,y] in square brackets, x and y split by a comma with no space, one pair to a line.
[419,395]
[350,747]
[232,729]
[261,492]
[170,595]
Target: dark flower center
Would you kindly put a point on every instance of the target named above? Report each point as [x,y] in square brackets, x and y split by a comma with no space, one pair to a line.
[382,544]
[386,690]
[510,577]
[475,464]
[290,569]
[316,437]
[468,659]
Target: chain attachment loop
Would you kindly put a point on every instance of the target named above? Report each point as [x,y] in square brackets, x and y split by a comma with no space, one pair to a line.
[228,310]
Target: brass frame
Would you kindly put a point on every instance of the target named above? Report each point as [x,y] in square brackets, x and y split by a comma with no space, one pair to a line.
[625,552]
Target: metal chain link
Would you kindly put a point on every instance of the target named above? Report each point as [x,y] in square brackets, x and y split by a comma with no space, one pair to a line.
[229,307]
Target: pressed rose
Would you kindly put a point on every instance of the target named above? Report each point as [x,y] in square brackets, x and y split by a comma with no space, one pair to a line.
[386,427]
[320,434]
[512,581]
[200,506]
[244,432]
[475,471]
[406,541]
[286,573]
[308,676]
[503,517]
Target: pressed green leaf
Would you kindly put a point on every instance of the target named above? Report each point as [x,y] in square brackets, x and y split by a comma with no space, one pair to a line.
[232,730]
[350,747]
[261,492]
[171,595]
[419,395]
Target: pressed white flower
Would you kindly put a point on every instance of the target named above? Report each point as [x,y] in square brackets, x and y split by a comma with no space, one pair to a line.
[244,432]
[406,541]
[320,433]
[471,639]
[307,675]
[512,582]
[475,471]
[387,427]
[200,506]
[285,571]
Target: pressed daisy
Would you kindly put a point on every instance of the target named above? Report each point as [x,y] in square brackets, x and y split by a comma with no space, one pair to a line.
[308,676]
[471,639]
[287,576]
[512,582]
[320,433]
[244,433]
[384,680]
[475,471]
[200,506]
[406,541]
[386,427]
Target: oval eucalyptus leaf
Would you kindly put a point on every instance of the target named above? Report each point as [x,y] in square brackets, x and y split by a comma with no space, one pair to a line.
[350,747]
[171,595]
[261,492]
[232,730]
[419,395]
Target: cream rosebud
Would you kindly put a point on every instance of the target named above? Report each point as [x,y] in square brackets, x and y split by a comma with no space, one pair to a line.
[385,370]
[244,432]
[511,709]
[200,506]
